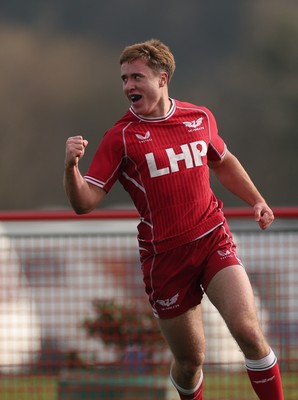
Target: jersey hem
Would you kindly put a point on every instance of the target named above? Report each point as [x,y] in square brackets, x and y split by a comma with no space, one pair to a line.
[157,247]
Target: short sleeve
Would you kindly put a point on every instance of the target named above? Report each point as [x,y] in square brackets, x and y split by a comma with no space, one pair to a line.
[105,166]
[217,147]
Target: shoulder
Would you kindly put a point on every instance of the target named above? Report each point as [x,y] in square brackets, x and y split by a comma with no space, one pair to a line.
[186,106]
[121,125]
[124,121]
[190,110]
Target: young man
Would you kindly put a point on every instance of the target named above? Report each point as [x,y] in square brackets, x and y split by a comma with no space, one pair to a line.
[161,151]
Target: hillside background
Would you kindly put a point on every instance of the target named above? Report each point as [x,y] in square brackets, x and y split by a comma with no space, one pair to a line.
[59,76]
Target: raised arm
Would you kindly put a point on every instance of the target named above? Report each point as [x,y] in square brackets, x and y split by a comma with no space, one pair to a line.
[83,197]
[233,177]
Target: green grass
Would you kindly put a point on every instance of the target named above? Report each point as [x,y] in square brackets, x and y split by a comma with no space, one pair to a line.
[217,386]
[28,388]
[237,387]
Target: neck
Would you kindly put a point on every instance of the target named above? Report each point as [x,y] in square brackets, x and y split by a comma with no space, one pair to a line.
[169,105]
[165,107]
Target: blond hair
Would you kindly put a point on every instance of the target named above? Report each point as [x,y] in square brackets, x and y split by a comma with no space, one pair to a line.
[156,54]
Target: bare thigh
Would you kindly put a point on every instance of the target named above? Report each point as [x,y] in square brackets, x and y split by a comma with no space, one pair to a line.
[231,293]
[185,336]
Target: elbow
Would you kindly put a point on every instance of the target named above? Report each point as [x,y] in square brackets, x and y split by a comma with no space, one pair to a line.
[81,209]
[86,202]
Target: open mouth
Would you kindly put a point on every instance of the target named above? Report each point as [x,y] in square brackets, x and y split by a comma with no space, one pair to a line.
[135,97]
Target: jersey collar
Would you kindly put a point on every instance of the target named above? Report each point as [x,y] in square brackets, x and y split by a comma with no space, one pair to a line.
[157,119]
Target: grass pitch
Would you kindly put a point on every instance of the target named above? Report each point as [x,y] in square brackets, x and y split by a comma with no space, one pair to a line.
[216,386]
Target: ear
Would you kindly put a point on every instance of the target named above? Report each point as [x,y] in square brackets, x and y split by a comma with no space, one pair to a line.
[163,80]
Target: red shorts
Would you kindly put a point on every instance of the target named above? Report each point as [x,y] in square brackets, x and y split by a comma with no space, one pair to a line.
[176,280]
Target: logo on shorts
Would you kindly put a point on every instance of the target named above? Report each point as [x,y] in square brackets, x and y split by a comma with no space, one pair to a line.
[224,253]
[168,302]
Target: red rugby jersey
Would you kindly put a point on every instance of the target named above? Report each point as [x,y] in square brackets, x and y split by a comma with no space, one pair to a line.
[162,164]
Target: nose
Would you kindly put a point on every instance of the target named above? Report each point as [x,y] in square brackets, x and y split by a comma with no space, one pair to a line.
[129,85]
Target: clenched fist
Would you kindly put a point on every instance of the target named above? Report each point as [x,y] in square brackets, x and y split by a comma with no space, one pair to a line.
[75,150]
[263,215]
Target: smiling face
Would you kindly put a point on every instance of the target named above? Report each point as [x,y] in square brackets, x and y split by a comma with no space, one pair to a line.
[145,88]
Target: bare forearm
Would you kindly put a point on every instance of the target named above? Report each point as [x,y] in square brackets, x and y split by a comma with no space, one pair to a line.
[233,177]
[77,190]
[82,196]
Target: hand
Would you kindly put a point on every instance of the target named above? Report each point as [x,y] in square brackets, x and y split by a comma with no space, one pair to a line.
[75,150]
[263,215]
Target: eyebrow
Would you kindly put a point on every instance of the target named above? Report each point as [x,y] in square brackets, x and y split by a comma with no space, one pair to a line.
[132,74]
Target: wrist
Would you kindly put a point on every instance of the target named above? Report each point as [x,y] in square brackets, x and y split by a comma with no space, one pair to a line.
[259,202]
[70,165]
